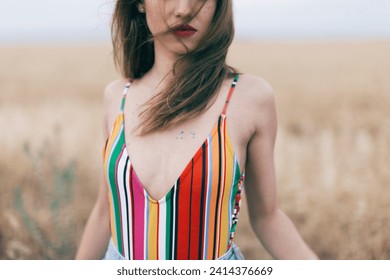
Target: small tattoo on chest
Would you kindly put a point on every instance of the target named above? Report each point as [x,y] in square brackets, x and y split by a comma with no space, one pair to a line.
[181,135]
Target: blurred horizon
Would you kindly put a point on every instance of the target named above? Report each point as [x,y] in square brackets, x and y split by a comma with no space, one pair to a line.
[88,20]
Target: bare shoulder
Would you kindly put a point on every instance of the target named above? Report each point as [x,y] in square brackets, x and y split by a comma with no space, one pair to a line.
[257,97]
[113,92]
[255,90]
[111,102]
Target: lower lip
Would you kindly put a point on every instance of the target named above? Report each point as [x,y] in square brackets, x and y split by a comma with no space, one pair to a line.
[184,33]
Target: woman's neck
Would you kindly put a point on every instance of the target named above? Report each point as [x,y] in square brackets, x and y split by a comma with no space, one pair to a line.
[164,61]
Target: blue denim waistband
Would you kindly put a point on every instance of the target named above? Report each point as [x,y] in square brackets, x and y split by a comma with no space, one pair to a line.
[233,253]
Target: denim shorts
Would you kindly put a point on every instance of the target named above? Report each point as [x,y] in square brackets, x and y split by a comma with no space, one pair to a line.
[233,253]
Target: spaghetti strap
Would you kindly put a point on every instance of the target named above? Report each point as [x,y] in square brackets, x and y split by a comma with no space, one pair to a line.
[232,87]
[125,90]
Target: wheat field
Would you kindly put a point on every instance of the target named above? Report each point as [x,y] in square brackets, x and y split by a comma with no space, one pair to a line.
[332,150]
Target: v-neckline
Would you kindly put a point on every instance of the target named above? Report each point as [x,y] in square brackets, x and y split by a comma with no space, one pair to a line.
[184,171]
[210,135]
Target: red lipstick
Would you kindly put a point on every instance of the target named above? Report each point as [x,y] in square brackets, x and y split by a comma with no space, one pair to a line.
[184,31]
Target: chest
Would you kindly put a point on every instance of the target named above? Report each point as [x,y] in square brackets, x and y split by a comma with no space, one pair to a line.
[160,159]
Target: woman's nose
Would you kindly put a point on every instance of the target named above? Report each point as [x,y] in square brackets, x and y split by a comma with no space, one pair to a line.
[184,8]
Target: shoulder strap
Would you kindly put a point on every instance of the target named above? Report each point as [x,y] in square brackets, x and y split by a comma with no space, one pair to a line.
[125,90]
[231,90]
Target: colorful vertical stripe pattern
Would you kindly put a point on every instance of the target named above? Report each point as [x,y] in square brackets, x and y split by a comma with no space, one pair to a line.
[197,217]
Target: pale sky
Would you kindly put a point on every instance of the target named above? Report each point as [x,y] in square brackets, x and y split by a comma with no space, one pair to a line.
[88,20]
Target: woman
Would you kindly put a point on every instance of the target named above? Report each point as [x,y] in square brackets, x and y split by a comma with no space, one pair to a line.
[174,163]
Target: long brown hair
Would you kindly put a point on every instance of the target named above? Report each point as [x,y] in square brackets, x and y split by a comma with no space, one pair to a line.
[197,75]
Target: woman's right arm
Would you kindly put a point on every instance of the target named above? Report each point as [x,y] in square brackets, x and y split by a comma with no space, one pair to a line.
[97,230]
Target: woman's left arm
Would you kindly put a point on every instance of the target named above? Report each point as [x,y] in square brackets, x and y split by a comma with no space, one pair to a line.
[270,224]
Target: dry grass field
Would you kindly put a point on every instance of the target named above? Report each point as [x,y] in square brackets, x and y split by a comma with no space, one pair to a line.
[332,151]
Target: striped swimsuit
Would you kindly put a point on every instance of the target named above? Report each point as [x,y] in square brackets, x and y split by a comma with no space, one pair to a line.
[195,220]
